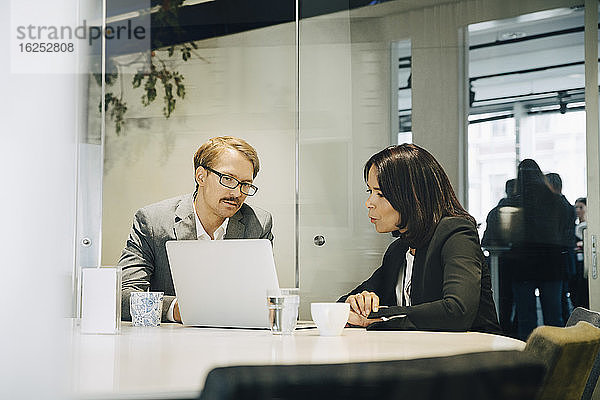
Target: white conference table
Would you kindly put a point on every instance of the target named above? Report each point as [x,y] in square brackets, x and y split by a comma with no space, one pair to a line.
[172,361]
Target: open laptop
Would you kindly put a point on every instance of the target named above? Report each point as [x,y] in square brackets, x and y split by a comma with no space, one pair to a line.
[223,283]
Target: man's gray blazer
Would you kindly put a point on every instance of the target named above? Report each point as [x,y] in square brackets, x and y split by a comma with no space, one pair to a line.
[144,259]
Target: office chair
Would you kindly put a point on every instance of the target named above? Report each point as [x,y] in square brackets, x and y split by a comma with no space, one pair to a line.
[487,375]
[568,354]
[593,317]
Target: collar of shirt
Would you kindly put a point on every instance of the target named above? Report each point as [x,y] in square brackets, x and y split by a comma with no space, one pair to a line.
[219,233]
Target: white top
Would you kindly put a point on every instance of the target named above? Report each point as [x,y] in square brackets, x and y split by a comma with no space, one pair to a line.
[403,285]
[172,361]
[579,229]
[219,233]
[201,234]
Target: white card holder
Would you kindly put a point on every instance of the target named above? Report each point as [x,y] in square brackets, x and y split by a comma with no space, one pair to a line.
[101,300]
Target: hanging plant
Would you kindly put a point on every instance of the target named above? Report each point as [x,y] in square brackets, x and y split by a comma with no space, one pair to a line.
[167,78]
[159,73]
[115,106]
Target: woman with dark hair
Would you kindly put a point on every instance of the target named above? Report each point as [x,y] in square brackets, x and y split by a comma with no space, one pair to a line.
[538,254]
[579,284]
[580,211]
[433,277]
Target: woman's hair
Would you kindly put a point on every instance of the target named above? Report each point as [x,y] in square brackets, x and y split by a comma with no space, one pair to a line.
[531,179]
[417,187]
[535,193]
[542,209]
[581,200]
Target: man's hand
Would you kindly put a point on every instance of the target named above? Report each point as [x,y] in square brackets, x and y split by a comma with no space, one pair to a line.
[176,315]
[363,303]
[358,320]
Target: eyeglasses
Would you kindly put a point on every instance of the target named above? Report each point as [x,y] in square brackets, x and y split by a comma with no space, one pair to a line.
[231,183]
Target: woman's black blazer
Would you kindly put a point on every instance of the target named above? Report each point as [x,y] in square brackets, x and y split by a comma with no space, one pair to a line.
[450,285]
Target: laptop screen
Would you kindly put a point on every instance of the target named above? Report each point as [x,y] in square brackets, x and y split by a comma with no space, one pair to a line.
[223,283]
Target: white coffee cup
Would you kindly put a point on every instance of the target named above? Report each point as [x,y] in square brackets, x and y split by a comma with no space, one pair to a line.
[330,317]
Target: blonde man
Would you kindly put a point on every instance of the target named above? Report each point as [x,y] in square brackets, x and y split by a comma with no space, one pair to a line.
[224,170]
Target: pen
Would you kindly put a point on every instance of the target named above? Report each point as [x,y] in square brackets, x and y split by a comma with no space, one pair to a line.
[384,319]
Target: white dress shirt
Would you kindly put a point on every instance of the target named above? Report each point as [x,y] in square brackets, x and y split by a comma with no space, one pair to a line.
[201,234]
[403,285]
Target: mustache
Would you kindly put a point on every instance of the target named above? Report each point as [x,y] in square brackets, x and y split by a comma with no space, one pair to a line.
[232,199]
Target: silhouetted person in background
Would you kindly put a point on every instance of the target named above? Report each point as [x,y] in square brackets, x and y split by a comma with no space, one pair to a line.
[509,187]
[555,182]
[579,284]
[538,249]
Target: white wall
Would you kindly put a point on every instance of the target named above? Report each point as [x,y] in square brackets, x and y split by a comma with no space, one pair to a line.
[37,209]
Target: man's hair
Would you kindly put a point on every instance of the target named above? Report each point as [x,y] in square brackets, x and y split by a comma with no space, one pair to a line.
[555,182]
[510,186]
[417,187]
[208,154]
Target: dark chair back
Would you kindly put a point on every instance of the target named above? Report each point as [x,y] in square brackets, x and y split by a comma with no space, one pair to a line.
[583,314]
[488,375]
[593,317]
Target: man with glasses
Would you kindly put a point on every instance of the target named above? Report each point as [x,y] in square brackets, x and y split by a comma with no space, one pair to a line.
[225,168]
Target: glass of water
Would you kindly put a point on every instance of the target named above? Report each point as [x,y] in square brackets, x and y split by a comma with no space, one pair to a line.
[283,310]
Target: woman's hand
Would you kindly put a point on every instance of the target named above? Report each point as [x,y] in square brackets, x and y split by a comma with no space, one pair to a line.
[363,303]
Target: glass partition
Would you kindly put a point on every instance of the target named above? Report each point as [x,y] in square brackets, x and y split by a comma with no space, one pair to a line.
[317,90]
[348,111]
[225,73]
[90,151]
[527,162]
[119,33]
[402,83]
[527,100]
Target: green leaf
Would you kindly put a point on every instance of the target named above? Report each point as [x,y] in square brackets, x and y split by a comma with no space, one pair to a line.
[137,79]
[181,91]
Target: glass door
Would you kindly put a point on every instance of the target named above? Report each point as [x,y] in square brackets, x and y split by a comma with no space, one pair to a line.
[591,234]
[347,113]
[533,90]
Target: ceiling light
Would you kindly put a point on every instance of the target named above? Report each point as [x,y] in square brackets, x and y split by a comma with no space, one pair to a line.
[553,107]
[536,16]
[511,35]
[135,14]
